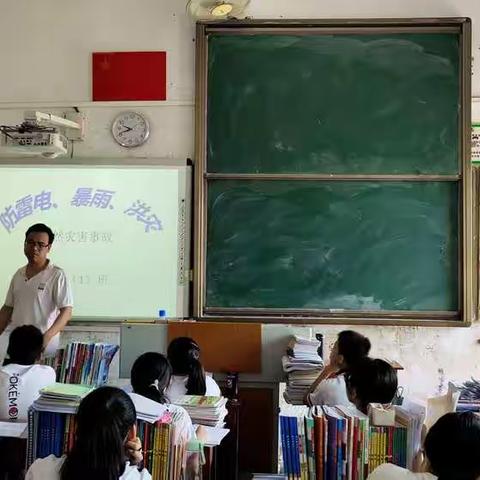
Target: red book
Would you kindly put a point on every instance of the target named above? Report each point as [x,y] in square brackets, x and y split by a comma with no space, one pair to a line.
[125,76]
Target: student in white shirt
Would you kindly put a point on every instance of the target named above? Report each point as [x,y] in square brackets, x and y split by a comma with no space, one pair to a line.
[150,377]
[39,293]
[371,380]
[452,449]
[329,387]
[188,375]
[22,379]
[106,446]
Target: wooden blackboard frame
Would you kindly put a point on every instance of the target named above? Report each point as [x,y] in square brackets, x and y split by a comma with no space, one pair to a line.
[468,251]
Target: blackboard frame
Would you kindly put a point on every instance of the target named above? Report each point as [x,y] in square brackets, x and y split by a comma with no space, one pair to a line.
[468,256]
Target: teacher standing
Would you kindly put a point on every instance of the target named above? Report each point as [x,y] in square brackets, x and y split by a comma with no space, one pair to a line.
[39,293]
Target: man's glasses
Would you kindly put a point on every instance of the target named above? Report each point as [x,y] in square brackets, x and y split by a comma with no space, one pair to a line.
[32,243]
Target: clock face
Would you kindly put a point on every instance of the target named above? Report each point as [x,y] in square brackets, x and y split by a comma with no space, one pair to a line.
[130,129]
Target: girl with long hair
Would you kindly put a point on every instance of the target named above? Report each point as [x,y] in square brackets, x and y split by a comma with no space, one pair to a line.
[106,446]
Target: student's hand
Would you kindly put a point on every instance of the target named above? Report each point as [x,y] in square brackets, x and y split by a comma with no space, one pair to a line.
[201,433]
[134,451]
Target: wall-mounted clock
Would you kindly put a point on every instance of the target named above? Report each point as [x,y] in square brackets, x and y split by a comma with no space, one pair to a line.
[130,129]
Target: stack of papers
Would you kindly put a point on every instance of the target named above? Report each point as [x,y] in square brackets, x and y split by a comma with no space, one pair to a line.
[302,364]
[148,410]
[13,429]
[61,397]
[303,348]
[210,411]
[213,435]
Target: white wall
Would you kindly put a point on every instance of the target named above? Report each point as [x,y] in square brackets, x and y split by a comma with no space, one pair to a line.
[45,52]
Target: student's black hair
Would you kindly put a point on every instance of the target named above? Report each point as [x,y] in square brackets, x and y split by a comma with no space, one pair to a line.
[41,228]
[353,346]
[103,420]
[25,345]
[452,447]
[373,381]
[150,376]
[184,355]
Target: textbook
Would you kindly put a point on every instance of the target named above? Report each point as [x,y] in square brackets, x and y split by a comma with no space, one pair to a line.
[302,364]
[330,443]
[205,410]
[54,433]
[83,363]
[61,397]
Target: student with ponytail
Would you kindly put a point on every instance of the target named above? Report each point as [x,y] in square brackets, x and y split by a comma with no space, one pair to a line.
[150,377]
[106,445]
[188,375]
[451,447]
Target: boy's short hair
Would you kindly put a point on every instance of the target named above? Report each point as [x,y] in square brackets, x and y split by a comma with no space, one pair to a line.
[25,345]
[41,228]
[353,346]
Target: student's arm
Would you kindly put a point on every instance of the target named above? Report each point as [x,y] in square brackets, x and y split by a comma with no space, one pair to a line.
[58,325]
[5,317]
[326,373]
[63,299]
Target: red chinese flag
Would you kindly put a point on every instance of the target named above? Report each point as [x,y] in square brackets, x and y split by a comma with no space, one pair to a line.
[127,76]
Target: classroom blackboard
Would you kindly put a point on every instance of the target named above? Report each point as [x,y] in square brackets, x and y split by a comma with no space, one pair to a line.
[368,104]
[333,245]
[333,172]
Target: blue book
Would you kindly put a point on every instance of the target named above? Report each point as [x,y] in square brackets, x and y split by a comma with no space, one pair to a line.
[332,450]
[283,439]
[295,447]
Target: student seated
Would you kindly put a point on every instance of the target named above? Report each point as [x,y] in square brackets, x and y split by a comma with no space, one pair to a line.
[188,375]
[329,387]
[106,445]
[371,380]
[150,377]
[22,379]
[451,447]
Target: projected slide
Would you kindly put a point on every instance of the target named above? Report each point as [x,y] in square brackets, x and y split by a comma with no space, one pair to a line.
[120,234]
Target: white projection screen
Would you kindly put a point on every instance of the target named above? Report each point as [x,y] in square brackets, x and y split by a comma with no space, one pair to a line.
[122,234]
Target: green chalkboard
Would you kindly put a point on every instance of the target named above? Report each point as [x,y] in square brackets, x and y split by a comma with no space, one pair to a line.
[371,104]
[333,245]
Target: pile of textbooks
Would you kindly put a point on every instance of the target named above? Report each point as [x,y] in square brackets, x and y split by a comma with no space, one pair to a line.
[204,410]
[302,364]
[85,363]
[322,443]
[52,425]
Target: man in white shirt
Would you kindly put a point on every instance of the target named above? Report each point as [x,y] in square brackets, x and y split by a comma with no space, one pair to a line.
[39,293]
[22,379]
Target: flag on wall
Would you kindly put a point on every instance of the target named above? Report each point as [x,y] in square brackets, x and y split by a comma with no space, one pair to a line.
[125,76]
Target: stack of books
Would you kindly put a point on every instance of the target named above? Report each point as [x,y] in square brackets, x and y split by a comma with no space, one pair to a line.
[322,443]
[85,363]
[469,396]
[209,411]
[302,364]
[52,424]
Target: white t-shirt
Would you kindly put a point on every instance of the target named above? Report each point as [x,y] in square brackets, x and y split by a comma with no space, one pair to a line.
[388,471]
[331,392]
[178,387]
[48,468]
[20,386]
[37,301]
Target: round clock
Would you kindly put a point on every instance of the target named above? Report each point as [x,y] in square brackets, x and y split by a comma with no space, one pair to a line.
[130,129]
